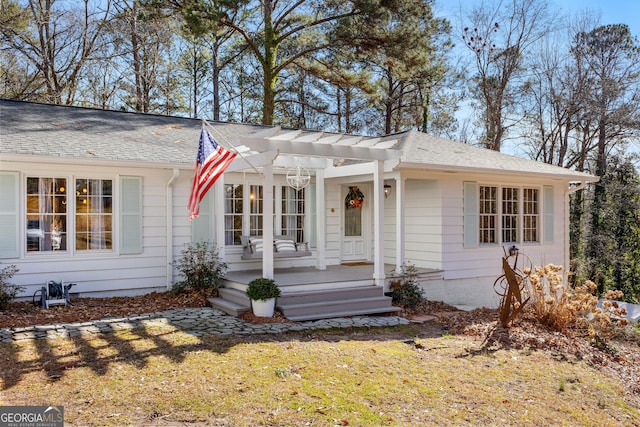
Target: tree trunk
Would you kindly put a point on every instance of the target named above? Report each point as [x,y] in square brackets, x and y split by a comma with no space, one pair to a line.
[216,82]
[136,56]
[270,75]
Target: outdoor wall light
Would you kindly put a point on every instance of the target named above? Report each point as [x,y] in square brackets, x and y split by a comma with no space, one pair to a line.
[387,190]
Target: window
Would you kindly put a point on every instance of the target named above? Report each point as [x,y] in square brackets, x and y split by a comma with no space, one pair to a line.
[233,213]
[255,210]
[293,212]
[94,214]
[488,214]
[244,205]
[530,214]
[510,215]
[46,214]
[504,215]
[48,218]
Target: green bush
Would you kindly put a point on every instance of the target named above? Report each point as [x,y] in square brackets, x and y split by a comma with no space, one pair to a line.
[8,291]
[405,292]
[262,289]
[201,267]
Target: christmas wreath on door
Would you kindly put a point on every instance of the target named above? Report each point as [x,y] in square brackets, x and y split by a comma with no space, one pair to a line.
[354,198]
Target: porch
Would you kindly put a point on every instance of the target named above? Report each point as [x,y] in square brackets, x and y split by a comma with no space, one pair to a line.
[309,294]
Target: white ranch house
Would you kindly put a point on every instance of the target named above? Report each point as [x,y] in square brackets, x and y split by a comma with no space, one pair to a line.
[99,198]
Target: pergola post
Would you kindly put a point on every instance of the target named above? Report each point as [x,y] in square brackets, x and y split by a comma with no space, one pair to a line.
[321,263]
[267,222]
[378,222]
[400,223]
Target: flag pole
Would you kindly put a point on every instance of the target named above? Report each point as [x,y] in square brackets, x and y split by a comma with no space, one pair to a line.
[229,145]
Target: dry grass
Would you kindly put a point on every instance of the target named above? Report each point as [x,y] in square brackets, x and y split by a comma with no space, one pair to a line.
[411,375]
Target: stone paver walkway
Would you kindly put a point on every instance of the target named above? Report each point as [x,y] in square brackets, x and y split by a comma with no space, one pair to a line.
[195,321]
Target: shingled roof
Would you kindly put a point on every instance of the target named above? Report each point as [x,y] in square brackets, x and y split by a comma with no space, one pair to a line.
[35,129]
[89,135]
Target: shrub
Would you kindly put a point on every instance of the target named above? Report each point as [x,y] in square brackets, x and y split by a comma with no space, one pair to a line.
[8,291]
[405,292]
[262,289]
[562,308]
[201,268]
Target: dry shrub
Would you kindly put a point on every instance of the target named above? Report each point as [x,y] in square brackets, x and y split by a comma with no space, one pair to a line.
[565,309]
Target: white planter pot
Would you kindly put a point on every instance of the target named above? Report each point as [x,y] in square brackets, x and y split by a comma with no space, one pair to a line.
[263,308]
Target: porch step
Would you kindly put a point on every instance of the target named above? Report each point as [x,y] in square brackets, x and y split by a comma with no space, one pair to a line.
[312,305]
[231,301]
[326,310]
[334,303]
[328,294]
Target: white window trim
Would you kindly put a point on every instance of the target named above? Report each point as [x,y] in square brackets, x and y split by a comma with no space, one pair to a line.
[71,214]
[246,203]
[520,231]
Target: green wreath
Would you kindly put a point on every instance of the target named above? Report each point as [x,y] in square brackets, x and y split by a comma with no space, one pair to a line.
[354,198]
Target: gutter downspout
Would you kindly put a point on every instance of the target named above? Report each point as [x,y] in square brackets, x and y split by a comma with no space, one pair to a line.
[567,225]
[169,231]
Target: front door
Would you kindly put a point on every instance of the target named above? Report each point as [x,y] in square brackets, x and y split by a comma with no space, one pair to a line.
[355,224]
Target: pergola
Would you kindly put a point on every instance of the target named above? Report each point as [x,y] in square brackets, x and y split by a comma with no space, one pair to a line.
[315,151]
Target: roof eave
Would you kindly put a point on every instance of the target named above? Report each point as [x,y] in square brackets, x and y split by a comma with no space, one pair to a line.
[28,158]
[569,176]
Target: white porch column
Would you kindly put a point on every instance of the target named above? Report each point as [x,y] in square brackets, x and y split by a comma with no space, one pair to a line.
[321,263]
[267,222]
[400,223]
[378,222]
[218,216]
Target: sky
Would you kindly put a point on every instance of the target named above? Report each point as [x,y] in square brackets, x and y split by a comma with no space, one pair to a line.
[612,11]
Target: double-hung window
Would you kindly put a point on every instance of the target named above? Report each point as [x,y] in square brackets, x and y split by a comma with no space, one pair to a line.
[233,213]
[46,214]
[52,217]
[292,213]
[244,205]
[505,214]
[94,214]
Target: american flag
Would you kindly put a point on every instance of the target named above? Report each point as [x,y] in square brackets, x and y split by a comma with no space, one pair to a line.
[211,162]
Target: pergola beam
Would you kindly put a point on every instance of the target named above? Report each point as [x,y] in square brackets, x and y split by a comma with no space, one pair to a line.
[315,149]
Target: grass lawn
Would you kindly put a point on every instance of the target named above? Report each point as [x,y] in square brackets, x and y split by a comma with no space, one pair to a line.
[409,375]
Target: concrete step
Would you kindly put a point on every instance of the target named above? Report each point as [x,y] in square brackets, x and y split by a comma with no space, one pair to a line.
[330,308]
[229,307]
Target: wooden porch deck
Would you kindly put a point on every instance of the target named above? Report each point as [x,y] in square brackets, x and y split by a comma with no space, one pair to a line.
[309,294]
[298,279]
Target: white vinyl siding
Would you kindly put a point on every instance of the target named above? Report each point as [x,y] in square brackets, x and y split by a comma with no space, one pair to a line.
[471,212]
[548,206]
[9,219]
[130,215]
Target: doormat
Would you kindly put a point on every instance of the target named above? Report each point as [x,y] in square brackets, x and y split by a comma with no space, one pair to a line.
[354,264]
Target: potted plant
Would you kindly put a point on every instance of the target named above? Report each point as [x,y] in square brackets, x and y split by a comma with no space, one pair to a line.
[263,293]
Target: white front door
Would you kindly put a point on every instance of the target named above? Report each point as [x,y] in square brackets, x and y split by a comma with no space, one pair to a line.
[356,222]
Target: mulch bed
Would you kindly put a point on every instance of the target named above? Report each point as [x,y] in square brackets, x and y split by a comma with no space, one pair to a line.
[85,309]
